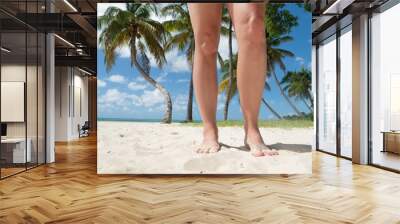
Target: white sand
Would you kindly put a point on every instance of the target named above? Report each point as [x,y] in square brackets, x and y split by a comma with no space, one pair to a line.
[153,148]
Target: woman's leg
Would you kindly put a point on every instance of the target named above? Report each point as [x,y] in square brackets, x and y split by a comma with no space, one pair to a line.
[248,20]
[206,23]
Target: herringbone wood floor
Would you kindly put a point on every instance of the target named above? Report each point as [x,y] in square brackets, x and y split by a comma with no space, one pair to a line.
[69,191]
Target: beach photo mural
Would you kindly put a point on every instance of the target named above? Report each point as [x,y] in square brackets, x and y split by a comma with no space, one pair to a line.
[149,118]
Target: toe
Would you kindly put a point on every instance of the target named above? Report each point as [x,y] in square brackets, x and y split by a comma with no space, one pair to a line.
[268,152]
[257,153]
[214,149]
[271,152]
[207,150]
[200,149]
[274,152]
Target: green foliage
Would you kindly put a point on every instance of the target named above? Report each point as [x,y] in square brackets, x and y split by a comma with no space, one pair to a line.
[132,27]
[179,28]
[309,116]
[279,21]
[224,83]
[283,123]
[306,6]
[298,84]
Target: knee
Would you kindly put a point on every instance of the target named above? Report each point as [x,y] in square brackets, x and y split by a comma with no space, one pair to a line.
[253,31]
[206,43]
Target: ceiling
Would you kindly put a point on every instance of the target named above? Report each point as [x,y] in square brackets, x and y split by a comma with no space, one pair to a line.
[331,15]
[74,22]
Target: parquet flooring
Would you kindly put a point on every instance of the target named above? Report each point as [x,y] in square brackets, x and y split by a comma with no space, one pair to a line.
[70,191]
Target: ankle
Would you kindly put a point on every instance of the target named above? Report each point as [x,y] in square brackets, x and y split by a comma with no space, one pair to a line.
[210,132]
[253,131]
[254,136]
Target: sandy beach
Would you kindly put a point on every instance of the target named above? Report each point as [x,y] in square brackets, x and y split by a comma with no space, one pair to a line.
[154,148]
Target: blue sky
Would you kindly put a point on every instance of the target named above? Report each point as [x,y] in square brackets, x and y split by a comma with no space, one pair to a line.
[123,94]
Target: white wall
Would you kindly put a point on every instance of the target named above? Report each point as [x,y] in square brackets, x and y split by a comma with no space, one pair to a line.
[70,83]
[62,81]
[17,73]
[33,126]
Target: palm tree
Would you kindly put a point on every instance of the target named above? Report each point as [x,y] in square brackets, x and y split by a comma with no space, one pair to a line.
[270,108]
[275,57]
[181,37]
[144,36]
[278,24]
[298,84]
[227,29]
[228,83]
[228,80]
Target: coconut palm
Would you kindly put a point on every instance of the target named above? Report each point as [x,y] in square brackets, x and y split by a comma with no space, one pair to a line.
[275,57]
[228,79]
[228,83]
[298,84]
[182,38]
[227,30]
[278,25]
[144,36]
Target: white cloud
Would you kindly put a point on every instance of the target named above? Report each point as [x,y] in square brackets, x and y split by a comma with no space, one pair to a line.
[159,108]
[116,78]
[300,60]
[151,98]
[102,7]
[183,80]
[136,86]
[140,79]
[177,62]
[101,83]
[124,52]
[180,102]
[223,47]
[111,96]
[161,77]
[220,102]
[180,64]
[114,97]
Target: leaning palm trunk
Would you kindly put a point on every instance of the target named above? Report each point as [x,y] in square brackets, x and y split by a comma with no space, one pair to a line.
[311,99]
[271,109]
[189,114]
[308,106]
[168,110]
[284,94]
[228,95]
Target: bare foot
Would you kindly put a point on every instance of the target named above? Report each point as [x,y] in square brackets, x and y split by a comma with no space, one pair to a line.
[210,141]
[261,150]
[211,147]
[255,143]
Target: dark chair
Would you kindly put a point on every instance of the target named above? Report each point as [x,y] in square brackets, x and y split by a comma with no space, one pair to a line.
[84,130]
